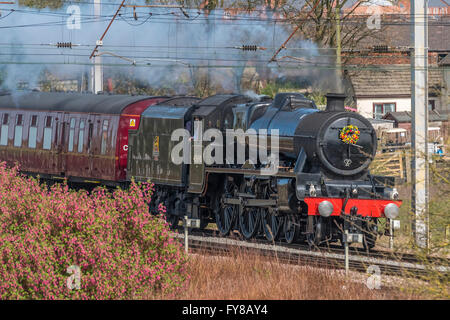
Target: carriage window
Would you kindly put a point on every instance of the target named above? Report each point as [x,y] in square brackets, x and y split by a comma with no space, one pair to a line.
[104,136]
[4,131]
[71,134]
[18,131]
[91,130]
[48,133]
[32,133]
[81,136]
[34,121]
[56,130]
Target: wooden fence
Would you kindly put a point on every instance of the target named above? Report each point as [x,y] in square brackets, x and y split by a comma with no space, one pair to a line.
[391,164]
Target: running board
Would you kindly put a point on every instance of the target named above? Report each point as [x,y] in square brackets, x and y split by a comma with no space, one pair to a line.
[251,202]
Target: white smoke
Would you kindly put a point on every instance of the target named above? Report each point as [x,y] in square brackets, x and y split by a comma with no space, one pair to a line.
[162,47]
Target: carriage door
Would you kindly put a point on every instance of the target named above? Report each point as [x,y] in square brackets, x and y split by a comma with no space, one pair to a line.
[99,140]
[91,145]
[106,160]
[60,144]
[69,160]
[64,144]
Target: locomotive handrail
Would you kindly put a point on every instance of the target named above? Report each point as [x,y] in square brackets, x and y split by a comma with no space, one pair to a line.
[248,172]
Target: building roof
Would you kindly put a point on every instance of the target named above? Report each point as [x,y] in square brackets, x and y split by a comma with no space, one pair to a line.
[395,24]
[406,116]
[391,81]
[76,102]
[395,32]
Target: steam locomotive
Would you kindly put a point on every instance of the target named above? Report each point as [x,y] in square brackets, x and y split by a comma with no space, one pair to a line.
[320,190]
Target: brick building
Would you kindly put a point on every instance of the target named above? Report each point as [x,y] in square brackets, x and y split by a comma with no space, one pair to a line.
[379,67]
[387,88]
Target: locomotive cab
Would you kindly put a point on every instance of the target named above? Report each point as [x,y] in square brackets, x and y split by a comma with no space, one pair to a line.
[245,114]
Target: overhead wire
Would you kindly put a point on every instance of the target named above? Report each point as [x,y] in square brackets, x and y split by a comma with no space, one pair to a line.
[3,17]
[285,65]
[241,19]
[163,18]
[136,24]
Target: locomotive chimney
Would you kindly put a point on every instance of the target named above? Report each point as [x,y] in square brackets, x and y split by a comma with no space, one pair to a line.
[335,102]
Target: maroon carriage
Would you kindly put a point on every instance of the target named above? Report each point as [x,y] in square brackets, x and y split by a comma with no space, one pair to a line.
[81,137]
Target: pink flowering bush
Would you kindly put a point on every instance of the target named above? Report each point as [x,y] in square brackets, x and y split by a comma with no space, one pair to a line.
[121,250]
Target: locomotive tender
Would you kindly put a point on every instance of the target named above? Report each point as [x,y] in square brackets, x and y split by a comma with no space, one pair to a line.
[322,187]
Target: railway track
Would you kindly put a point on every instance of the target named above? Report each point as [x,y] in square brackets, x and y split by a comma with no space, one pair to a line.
[405,265]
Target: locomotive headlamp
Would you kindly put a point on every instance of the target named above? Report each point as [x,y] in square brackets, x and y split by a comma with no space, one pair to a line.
[391,211]
[325,208]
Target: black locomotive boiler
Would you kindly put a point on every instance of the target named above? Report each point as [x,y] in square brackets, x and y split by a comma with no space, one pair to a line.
[322,187]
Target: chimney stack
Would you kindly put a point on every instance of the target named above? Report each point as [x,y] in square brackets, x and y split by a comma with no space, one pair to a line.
[335,102]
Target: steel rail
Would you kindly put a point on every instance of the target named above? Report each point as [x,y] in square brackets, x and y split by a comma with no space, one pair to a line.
[289,255]
[334,248]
